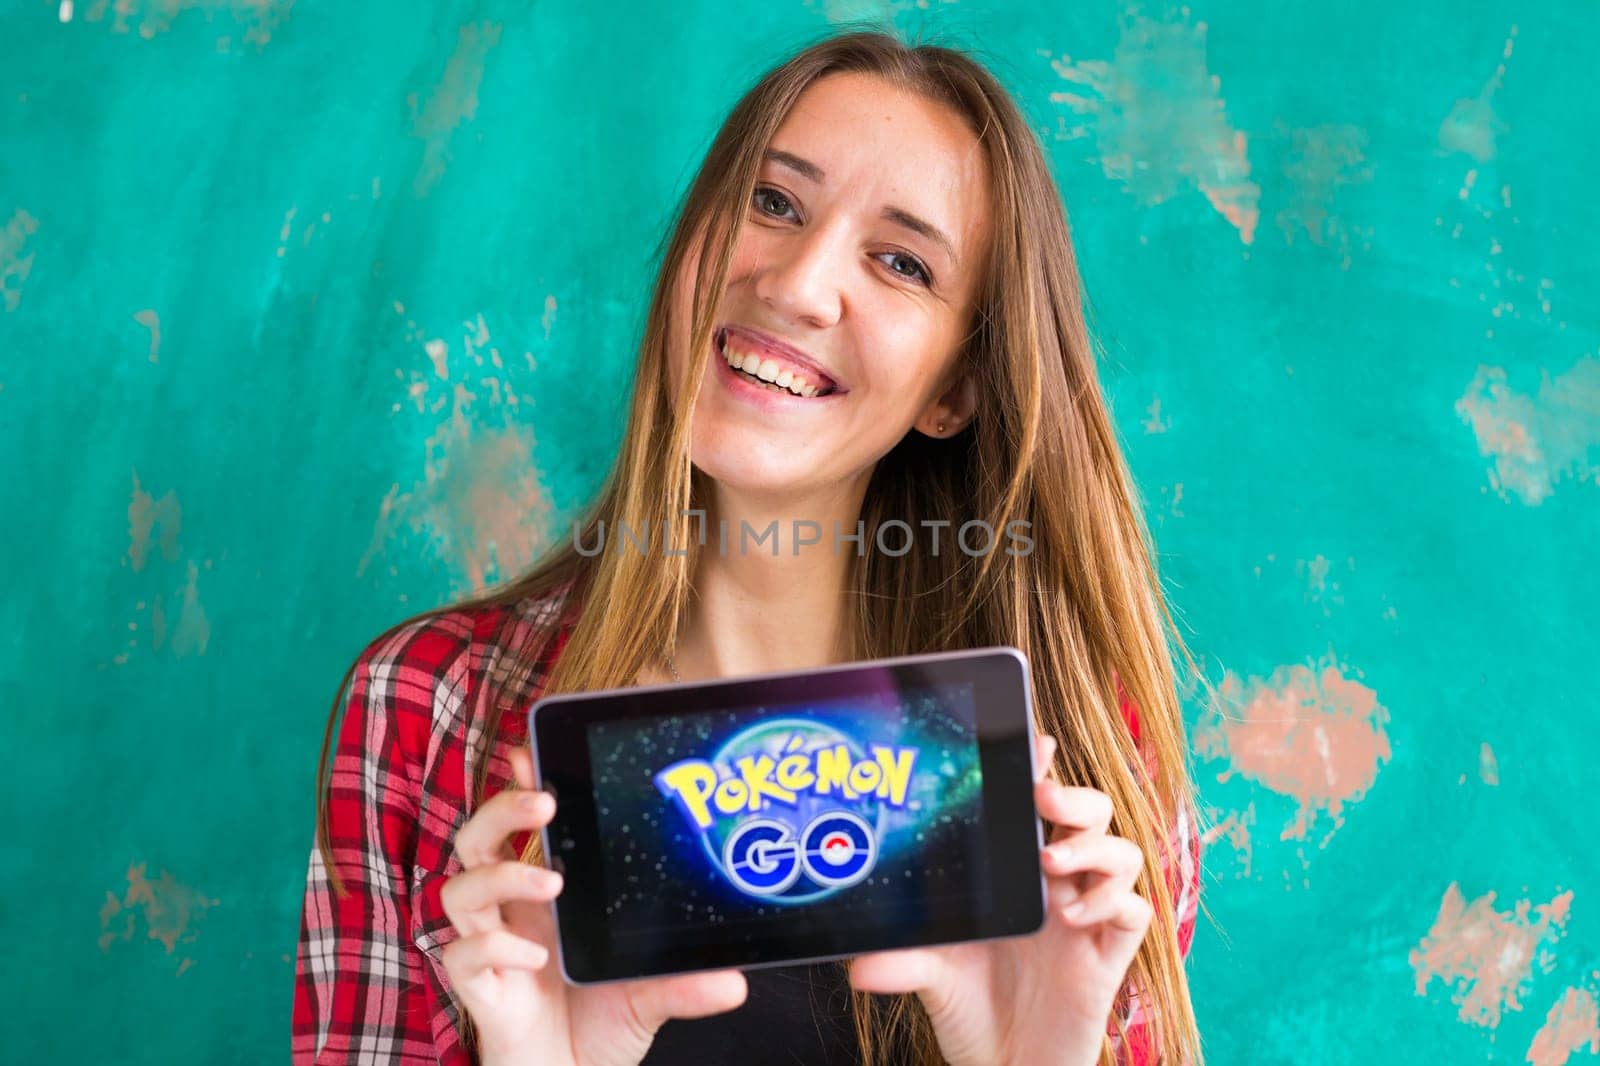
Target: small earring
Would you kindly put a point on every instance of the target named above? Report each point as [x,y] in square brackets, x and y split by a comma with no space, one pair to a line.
[941,427]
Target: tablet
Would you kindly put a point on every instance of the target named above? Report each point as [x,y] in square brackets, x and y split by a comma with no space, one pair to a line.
[792,817]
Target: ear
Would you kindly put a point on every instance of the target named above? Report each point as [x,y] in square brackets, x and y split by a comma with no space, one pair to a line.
[950,413]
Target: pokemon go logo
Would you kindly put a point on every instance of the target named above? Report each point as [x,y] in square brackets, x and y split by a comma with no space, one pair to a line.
[763,857]
[791,810]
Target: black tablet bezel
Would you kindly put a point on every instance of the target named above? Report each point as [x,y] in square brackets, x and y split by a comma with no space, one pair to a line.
[557,728]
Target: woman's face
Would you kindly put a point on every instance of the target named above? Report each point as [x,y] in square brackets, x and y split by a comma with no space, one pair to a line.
[852,284]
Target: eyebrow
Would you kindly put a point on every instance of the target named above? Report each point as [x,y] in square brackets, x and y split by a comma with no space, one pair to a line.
[807,169]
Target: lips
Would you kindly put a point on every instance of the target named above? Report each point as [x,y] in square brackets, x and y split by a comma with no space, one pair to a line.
[787,357]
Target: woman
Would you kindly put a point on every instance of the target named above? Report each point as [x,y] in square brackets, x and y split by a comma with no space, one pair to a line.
[868,313]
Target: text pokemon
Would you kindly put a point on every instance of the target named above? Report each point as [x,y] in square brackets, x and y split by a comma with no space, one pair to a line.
[695,785]
[776,807]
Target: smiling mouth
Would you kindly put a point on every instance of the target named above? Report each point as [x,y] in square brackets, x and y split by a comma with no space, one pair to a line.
[772,374]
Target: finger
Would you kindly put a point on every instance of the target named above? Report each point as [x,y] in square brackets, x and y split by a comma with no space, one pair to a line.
[1061,892]
[907,970]
[1076,808]
[1088,852]
[501,949]
[1045,757]
[693,995]
[484,838]
[1113,905]
[522,767]
[472,898]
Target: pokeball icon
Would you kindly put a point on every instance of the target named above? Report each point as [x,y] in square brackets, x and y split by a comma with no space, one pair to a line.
[837,848]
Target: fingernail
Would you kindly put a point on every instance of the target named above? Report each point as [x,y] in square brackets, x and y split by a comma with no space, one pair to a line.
[530,801]
[1063,853]
[1074,909]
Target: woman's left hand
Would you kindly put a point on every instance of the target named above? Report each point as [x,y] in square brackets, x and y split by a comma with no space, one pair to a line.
[1044,998]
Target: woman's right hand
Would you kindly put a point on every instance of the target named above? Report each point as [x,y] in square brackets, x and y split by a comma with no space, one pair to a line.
[524,1010]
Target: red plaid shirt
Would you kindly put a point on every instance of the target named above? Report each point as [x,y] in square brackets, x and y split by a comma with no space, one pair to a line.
[369,984]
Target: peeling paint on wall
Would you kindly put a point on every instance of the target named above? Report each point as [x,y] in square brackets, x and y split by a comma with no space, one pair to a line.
[151,18]
[1158,121]
[192,631]
[1321,588]
[1312,734]
[162,520]
[840,12]
[1571,1024]
[145,513]
[479,502]
[152,322]
[1156,423]
[14,266]
[547,320]
[452,100]
[1488,765]
[1488,956]
[1323,160]
[1472,125]
[1539,440]
[163,910]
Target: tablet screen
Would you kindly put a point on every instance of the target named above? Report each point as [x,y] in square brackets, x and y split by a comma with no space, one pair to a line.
[844,812]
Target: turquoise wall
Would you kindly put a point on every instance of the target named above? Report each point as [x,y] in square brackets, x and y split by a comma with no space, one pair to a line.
[313,315]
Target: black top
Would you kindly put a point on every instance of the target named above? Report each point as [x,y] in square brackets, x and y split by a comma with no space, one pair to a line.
[793,1016]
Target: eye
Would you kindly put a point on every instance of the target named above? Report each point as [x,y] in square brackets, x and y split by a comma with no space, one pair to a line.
[770,194]
[921,271]
[767,194]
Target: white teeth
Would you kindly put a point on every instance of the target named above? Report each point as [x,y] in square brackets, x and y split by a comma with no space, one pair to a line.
[767,370]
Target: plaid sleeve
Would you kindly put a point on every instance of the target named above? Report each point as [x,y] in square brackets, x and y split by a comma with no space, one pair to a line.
[360,991]
[1181,867]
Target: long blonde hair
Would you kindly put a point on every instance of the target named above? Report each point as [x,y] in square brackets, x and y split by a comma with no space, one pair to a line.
[1085,605]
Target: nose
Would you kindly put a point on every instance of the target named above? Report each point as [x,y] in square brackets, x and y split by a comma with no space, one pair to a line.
[800,275]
